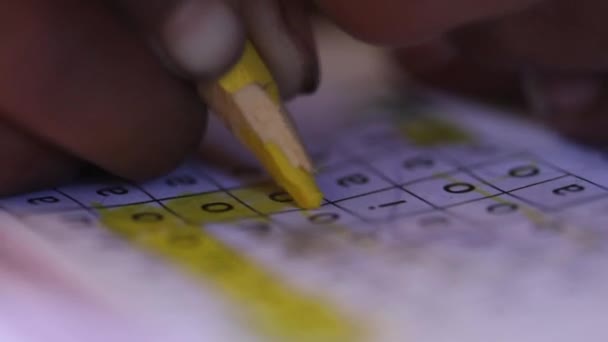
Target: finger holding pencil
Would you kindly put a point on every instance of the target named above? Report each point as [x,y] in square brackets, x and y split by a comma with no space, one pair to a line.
[201,39]
[248,96]
[87,83]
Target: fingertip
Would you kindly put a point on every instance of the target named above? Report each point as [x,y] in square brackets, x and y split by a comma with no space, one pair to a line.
[203,38]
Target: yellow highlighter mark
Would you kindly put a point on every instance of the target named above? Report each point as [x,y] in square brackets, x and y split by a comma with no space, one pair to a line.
[432,132]
[265,198]
[211,207]
[264,302]
[415,119]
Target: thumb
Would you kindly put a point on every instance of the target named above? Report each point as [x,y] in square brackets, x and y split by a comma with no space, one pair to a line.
[201,39]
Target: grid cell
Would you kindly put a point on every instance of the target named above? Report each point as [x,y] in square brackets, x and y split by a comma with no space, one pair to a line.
[265,198]
[38,202]
[451,189]
[185,180]
[498,210]
[516,172]
[349,180]
[384,205]
[211,207]
[410,166]
[560,193]
[421,228]
[326,216]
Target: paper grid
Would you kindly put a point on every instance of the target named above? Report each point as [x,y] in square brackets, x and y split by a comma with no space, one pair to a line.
[379,182]
[362,183]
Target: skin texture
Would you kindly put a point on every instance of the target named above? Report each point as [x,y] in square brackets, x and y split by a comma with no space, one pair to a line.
[83,86]
[106,83]
[101,82]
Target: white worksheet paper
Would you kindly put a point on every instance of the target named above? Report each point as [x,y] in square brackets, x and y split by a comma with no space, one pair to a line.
[442,221]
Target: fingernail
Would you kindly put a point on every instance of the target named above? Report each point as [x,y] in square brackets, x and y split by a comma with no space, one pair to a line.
[202,38]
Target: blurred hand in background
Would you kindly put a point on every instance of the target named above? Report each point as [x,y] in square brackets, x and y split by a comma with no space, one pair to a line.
[551,50]
[111,83]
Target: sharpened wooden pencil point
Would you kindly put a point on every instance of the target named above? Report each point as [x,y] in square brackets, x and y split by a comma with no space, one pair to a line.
[248,102]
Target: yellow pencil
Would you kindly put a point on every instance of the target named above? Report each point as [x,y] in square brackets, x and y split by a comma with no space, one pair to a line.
[248,102]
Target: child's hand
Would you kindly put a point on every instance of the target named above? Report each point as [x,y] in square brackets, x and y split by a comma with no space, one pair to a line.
[80,82]
[556,48]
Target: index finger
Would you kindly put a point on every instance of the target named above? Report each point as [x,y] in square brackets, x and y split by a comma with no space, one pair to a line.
[77,76]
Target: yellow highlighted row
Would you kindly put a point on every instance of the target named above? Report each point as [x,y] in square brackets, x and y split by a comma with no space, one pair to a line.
[265,303]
